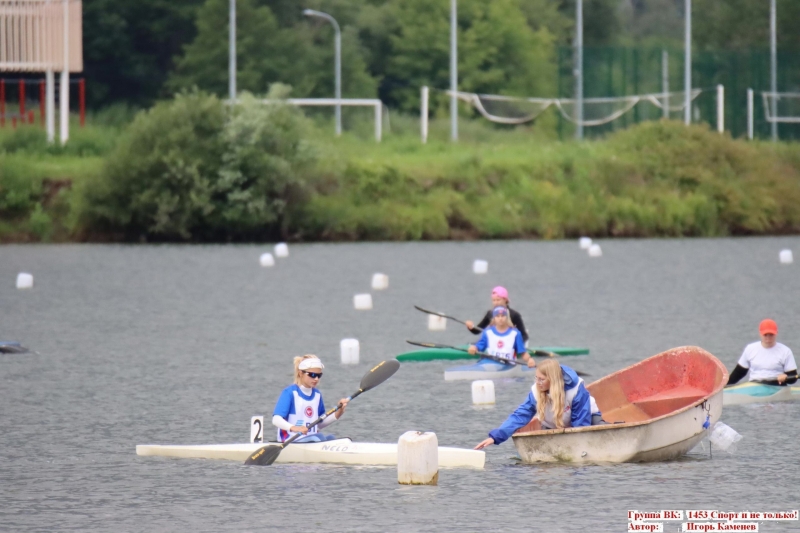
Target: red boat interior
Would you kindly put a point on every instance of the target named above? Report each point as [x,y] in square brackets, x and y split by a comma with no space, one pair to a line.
[656,386]
[659,385]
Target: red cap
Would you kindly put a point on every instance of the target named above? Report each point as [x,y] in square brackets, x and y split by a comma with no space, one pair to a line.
[768,326]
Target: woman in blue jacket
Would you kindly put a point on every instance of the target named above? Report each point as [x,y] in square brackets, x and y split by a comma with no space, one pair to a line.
[559,399]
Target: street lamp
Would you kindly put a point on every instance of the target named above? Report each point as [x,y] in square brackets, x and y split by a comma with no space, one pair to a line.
[338,66]
[232,51]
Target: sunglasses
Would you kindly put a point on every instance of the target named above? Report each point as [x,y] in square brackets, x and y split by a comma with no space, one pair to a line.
[312,375]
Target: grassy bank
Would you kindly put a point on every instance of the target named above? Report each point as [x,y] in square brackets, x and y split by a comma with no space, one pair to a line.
[655,179]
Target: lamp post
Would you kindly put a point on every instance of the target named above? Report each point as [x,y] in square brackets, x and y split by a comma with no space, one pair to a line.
[773,67]
[579,69]
[453,71]
[232,52]
[338,60]
[687,65]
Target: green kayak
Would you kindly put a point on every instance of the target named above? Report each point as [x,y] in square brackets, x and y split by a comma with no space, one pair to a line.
[436,354]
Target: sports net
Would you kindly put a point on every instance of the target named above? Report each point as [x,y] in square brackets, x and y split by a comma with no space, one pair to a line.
[781,107]
[596,111]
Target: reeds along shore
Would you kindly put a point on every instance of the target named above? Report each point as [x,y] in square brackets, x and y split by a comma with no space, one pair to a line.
[186,171]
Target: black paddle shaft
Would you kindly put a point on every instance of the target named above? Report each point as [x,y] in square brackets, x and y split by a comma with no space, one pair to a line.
[486,355]
[266,455]
[479,354]
[542,353]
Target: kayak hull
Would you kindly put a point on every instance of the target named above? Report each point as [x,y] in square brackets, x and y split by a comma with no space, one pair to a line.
[339,451]
[657,411]
[751,392]
[448,354]
[487,369]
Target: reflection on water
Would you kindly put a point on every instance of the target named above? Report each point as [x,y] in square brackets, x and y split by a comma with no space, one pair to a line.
[174,344]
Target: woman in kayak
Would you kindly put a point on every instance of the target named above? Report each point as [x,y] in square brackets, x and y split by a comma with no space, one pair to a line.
[768,361]
[558,389]
[301,403]
[499,298]
[502,339]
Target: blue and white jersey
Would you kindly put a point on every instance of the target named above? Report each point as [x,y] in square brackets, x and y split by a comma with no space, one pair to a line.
[506,345]
[579,406]
[298,409]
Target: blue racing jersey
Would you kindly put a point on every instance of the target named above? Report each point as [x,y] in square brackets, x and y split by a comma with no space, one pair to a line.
[506,345]
[298,409]
[578,406]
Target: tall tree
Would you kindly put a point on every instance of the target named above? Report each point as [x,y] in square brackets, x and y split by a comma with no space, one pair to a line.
[266,52]
[498,52]
[129,47]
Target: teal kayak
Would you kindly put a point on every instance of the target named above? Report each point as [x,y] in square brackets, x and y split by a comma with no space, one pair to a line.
[448,354]
[754,392]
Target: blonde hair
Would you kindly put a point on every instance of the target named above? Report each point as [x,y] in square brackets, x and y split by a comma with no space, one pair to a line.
[297,361]
[555,396]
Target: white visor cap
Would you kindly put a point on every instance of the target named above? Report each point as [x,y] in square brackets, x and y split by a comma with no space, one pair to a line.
[312,362]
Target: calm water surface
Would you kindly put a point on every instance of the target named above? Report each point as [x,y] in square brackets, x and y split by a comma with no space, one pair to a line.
[183,344]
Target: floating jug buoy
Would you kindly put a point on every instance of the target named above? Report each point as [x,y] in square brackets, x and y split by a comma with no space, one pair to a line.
[281,250]
[380,282]
[483,392]
[480,266]
[350,351]
[437,323]
[786,257]
[266,260]
[595,251]
[585,243]
[24,280]
[362,301]
[418,458]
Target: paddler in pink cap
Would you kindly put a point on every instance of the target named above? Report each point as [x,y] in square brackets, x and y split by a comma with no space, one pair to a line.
[499,298]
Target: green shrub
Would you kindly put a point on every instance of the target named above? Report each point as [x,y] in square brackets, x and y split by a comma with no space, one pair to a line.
[191,169]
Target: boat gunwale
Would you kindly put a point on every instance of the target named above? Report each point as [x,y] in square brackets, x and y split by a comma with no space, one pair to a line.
[610,426]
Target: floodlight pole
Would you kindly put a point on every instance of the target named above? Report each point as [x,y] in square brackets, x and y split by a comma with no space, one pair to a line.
[64,97]
[579,69]
[687,66]
[773,67]
[453,71]
[665,82]
[232,52]
[337,60]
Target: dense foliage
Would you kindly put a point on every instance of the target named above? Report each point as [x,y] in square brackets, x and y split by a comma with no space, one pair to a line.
[138,52]
[193,169]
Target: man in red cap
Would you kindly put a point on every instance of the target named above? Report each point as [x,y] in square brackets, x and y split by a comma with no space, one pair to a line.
[499,298]
[768,361]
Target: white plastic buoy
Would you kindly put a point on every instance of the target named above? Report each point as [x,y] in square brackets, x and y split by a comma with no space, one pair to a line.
[483,392]
[585,243]
[267,260]
[281,250]
[350,350]
[257,429]
[24,280]
[595,251]
[725,437]
[418,458]
[480,266]
[786,257]
[362,301]
[437,323]
[380,282]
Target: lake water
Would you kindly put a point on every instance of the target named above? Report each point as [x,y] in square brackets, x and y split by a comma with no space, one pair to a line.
[183,344]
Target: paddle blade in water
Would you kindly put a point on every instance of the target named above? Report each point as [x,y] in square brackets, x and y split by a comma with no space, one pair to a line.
[379,373]
[264,456]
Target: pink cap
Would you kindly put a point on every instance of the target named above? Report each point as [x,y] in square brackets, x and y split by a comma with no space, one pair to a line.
[500,292]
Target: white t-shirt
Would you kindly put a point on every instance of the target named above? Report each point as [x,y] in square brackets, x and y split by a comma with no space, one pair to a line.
[766,364]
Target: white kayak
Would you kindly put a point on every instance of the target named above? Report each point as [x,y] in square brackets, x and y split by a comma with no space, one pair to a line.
[487,369]
[341,451]
[753,392]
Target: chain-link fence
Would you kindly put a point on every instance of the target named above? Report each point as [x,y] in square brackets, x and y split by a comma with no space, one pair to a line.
[612,71]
